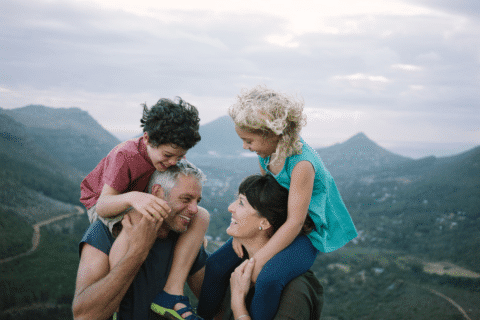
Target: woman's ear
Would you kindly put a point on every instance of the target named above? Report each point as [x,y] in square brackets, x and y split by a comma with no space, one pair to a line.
[265,224]
[158,191]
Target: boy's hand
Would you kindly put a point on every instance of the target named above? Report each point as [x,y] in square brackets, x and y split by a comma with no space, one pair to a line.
[237,247]
[149,205]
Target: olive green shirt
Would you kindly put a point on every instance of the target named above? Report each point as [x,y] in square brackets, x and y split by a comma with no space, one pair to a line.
[302,299]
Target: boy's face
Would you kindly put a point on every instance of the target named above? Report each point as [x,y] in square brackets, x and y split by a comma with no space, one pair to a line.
[165,155]
[262,145]
[183,199]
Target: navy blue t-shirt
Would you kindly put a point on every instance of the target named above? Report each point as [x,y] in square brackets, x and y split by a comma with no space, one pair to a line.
[152,275]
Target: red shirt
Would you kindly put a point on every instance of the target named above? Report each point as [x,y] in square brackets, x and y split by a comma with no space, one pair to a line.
[126,168]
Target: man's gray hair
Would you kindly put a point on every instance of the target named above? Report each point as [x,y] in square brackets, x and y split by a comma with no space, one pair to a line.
[168,178]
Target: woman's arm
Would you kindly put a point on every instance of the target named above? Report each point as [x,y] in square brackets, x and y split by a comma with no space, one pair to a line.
[300,194]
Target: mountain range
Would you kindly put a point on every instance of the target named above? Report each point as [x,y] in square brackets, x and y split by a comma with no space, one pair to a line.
[404,209]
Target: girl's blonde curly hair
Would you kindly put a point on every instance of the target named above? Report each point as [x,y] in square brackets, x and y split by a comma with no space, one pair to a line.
[262,110]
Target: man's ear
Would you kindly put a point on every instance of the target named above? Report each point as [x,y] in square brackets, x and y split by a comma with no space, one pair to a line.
[146,138]
[158,191]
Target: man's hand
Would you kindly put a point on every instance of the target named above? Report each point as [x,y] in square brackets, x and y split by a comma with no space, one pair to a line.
[142,235]
[149,205]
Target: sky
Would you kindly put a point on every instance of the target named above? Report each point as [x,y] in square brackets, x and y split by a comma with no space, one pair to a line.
[405,73]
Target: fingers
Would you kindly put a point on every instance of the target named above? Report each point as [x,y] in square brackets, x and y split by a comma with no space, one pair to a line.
[248,269]
[237,247]
[126,222]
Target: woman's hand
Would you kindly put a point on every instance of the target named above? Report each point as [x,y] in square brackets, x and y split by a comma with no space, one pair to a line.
[241,279]
[240,283]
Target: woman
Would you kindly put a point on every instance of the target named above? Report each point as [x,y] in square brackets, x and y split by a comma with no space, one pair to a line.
[257,213]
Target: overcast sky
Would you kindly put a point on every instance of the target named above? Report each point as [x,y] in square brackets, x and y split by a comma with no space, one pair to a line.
[406,73]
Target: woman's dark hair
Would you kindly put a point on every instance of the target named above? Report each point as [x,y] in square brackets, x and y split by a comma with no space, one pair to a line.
[171,122]
[270,199]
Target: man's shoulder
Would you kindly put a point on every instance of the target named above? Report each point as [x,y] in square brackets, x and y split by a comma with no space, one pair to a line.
[306,281]
[302,298]
[98,236]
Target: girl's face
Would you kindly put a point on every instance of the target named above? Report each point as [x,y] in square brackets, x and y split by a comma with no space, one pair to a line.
[245,219]
[262,145]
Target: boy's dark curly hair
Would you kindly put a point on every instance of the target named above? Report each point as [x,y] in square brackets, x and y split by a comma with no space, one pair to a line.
[171,122]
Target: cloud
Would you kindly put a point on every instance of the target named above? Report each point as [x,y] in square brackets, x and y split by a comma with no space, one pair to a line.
[347,59]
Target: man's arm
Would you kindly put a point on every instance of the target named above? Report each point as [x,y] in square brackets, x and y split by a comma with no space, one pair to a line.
[99,290]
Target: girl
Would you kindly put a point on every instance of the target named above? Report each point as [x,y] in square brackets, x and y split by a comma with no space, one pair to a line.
[269,124]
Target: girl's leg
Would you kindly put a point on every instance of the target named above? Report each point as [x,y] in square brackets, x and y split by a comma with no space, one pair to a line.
[218,268]
[186,250]
[285,266]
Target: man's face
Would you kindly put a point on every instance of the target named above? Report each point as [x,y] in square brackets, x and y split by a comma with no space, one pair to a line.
[183,199]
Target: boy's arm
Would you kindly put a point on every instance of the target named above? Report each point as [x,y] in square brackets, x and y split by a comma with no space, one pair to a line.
[111,203]
[99,290]
[300,194]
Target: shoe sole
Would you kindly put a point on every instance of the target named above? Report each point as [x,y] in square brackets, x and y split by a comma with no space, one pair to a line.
[167,313]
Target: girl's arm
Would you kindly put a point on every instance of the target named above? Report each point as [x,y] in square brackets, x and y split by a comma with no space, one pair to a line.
[300,194]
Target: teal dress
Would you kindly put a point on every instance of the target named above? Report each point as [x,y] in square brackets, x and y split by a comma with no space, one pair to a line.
[333,225]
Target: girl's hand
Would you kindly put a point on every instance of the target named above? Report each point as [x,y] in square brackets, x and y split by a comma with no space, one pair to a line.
[237,247]
[240,280]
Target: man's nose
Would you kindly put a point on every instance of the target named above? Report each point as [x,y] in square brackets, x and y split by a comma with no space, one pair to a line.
[193,207]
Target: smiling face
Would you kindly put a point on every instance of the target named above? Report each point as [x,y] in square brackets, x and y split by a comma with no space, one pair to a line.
[245,221]
[183,199]
[262,144]
[165,155]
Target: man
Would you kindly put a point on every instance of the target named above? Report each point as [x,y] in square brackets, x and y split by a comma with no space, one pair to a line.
[141,270]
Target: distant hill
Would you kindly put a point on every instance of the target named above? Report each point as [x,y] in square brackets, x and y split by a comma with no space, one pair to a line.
[219,139]
[69,135]
[44,155]
[74,119]
[358,154]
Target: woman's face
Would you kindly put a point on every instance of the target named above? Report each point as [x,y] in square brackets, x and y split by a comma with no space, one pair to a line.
[245,221]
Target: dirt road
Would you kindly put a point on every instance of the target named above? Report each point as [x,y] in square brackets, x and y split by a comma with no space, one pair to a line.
[36,234]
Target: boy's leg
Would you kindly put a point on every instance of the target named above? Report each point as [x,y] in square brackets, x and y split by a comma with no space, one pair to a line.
[109,222]
[218,268]
[285,266]
[186,250]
